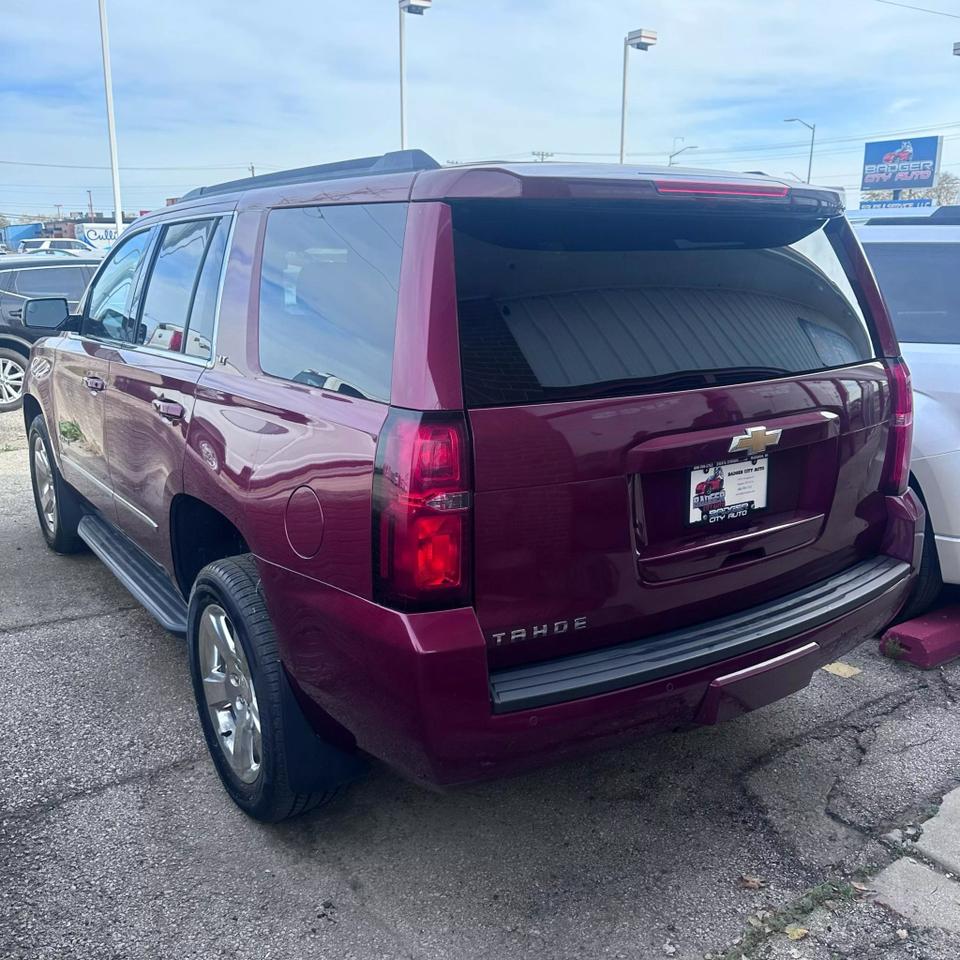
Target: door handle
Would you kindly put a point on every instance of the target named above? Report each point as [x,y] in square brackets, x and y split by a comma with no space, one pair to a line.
[17,314]
[168,409]
[94,383]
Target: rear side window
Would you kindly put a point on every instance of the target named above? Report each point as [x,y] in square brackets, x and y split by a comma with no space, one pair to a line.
[921,285]
[66,282]
[170,287]
[328,296]
[199,340]
[569,302]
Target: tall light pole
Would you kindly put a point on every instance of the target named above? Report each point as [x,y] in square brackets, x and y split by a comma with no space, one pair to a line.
[111,127]
[407,6]
[639,40]
[676,153]
[812,127]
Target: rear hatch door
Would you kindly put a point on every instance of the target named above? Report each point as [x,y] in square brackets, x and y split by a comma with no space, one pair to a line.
[675,414]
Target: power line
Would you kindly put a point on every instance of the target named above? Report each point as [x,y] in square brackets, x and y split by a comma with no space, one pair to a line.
[78,166]
[907,6]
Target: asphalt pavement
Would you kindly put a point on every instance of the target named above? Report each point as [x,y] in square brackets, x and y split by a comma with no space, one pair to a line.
[794,832]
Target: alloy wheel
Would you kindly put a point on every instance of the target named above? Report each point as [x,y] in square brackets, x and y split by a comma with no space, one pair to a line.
[229,693]
[46,489]
[11,380]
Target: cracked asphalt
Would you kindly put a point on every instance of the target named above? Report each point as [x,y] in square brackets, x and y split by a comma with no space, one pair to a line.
[116,840]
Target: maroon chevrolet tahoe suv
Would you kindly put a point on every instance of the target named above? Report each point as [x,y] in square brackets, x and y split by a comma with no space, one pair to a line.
[468,468]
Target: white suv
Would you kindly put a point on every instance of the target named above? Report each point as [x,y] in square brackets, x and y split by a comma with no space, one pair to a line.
[916,257]
[42,245]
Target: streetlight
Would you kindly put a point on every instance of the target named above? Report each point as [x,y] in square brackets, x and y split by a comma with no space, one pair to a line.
[812,127]
[407,6]
[111,128]
[676,153]
[639,40]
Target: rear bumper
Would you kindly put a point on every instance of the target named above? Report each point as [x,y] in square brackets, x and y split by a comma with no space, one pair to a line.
[414,689]
[626,665]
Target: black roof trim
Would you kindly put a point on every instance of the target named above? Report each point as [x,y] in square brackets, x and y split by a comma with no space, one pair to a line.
[396,161]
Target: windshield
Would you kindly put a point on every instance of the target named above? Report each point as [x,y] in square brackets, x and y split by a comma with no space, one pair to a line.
[921,285]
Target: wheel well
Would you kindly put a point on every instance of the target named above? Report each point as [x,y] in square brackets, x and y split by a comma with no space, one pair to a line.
[198,536]
[16,346]
[31,409]
[918,490]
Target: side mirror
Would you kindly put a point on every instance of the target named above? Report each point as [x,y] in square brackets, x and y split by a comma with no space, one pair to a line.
[48,313]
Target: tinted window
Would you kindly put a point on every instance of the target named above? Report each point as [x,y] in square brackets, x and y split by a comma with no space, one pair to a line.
[328,296]
[921,284]
[6,280]
[68,282]
[199,342]
[169,293]
[108,305]
[568,301]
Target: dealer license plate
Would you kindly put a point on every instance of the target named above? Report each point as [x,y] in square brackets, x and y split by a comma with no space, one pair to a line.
[727,490]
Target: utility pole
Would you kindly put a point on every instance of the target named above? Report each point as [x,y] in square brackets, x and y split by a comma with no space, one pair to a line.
[541,155]
[253,172]
[90,203]
[59,207]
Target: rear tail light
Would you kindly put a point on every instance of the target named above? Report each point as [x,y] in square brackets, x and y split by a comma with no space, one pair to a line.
[896,469]
[422,519]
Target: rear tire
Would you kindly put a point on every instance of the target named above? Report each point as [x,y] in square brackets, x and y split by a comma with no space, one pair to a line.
[237,682]
[59,508]
[929,580]
[13,370]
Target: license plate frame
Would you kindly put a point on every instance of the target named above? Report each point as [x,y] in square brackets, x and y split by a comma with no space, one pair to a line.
[731,490]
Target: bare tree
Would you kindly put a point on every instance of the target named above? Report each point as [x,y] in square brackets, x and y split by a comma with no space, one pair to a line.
[946,191]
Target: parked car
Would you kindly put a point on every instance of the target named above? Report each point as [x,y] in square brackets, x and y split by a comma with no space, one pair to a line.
[23,277]
[416,479]
[916,257]
[43,244]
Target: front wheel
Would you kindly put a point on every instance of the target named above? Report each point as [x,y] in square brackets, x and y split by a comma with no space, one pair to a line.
[238,684]
[13,370]
[59,509]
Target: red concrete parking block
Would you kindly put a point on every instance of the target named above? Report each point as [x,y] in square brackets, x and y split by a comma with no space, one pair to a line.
[927,641]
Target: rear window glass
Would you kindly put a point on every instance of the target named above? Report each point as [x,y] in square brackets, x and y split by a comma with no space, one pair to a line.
[921,284]
[328,296]
[556,304]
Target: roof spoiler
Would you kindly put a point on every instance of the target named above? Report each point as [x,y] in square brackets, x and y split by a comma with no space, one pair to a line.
[396,161]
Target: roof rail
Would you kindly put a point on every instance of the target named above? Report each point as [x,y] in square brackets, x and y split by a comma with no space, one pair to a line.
[396,161]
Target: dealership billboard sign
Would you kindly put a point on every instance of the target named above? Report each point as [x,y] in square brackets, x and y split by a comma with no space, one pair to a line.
[901,164]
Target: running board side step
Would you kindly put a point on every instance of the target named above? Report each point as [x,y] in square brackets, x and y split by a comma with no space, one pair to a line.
[146,580]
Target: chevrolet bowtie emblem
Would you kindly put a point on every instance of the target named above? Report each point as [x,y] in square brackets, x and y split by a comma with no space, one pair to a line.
[755,440]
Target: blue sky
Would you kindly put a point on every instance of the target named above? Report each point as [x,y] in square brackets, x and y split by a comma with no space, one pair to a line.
[204,89]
